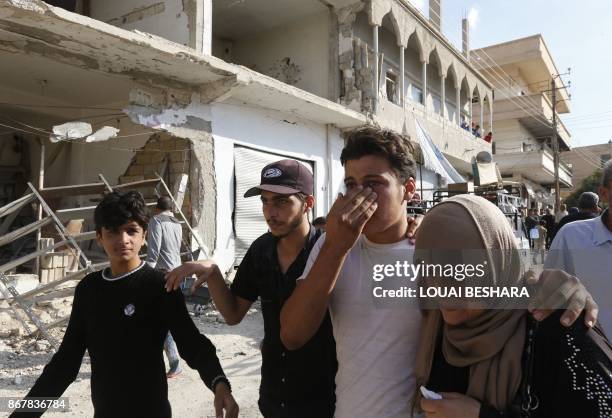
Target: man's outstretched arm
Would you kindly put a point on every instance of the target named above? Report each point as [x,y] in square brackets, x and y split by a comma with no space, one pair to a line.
[232,307]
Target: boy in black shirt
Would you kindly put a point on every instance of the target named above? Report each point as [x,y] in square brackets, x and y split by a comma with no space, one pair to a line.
[121,315]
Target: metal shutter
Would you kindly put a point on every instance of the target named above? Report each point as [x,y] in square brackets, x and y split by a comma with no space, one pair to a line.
[249,222]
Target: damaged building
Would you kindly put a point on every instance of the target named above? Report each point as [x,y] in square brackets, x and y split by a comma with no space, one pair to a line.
[204,93]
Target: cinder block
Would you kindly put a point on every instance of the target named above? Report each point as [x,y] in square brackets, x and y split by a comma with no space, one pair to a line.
[177,156]
[68,260]
[178,167]
[157,157]
[150,169]
[46,242]
[135,170]
[143,158]
[168,145]
[46,261]
[44,275]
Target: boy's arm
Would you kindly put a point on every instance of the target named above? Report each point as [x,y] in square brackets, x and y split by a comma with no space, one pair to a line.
[154,237]
[197,350]
[64,366]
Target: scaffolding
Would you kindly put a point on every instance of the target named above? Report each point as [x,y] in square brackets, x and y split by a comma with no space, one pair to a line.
[71,242]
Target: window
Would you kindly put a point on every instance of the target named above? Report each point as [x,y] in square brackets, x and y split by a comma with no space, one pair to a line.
[437,104]
[417,94]
[391,87]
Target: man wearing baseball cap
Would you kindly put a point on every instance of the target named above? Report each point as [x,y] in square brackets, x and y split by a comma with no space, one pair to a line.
[296,383]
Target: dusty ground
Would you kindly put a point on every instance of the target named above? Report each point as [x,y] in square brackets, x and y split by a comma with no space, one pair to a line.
[22,360]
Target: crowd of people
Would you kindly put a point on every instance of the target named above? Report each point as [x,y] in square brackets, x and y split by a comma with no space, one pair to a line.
[329,350]
[541,226]
[476,130]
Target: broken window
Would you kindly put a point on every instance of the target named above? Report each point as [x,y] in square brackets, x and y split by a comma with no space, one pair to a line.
[391,87]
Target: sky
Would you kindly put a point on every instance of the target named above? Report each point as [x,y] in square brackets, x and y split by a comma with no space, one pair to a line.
[578,35]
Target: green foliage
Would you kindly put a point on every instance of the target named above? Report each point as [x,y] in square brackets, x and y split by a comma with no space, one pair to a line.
[589,184]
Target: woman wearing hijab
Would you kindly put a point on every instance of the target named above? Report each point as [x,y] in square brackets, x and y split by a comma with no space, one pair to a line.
[489,363]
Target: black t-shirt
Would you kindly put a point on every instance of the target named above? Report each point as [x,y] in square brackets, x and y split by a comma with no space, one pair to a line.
[299,383]
[580,216]
[123,323]
[550,222]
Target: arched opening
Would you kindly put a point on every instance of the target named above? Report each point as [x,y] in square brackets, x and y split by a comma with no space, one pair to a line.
[477,109]
[464,107]
[389,56]
[412,70]
[451,94]
[434,83]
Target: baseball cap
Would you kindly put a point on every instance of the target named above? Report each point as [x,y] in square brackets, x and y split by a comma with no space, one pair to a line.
[284,177]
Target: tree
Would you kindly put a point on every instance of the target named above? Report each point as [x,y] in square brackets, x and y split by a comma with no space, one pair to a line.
[589,184]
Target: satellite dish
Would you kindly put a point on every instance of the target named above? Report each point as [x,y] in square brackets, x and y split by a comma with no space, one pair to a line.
[484,157]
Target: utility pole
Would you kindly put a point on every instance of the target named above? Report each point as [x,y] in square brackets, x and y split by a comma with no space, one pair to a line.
[555,145]
[555,136]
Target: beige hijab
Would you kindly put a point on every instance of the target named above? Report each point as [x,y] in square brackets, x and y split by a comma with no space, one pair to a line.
[491,345]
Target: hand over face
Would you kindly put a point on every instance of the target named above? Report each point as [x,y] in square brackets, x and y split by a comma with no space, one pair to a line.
[348,216]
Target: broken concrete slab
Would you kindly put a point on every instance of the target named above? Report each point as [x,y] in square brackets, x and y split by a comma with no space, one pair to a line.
[70,131]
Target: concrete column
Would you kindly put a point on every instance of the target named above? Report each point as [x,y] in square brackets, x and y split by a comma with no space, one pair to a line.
[375,69]
[424,83]
[465,38]
[458,105]
[482,116]
[470,111]
[443,96]
[207,26]
[490,115]
[402,76]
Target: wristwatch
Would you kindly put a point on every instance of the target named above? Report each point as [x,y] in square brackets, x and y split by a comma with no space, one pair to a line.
[218,380]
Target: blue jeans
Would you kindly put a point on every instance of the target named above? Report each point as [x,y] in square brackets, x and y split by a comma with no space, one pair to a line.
[171,351]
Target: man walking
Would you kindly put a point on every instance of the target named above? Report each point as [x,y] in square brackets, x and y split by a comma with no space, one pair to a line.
[549,219]
[531,222]
[584,248]
[376,343]
[588,209]
[294,384]
[164,253]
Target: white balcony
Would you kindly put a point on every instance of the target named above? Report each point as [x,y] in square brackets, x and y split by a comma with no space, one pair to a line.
[537,165]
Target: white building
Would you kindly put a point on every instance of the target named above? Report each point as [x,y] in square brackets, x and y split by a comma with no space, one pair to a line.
[521,71]
[218,90]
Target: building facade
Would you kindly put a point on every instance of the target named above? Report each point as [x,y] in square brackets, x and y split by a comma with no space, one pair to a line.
[521,71]
[217,90]
[584,161]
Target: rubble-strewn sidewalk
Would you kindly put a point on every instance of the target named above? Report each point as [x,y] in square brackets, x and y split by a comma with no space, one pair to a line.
[22,360]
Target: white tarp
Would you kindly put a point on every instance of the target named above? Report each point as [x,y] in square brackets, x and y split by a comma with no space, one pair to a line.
[434,160]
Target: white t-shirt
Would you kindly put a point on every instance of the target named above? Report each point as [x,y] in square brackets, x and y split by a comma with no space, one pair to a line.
[375,343]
